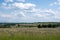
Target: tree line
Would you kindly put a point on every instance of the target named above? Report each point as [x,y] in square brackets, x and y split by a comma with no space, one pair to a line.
[26,25]
[48,26]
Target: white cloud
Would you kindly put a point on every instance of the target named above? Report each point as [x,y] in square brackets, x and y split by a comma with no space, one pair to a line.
[44,13]
[26,8]
[57,14]
[17,5]
[23,6]
[19,14]
[20,0]
[38,15]
[6,16]
[55,3]
[58,1]
[59,8]
[14,15]
[29,5]
[4,4]
[8,1]
[6,7]
[22,14]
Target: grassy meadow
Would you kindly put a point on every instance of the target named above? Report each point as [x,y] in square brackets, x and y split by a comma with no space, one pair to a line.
[29,33]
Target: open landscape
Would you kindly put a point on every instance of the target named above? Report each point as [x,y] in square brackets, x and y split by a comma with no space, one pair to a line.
[29,34]
[29,19]
[27,31]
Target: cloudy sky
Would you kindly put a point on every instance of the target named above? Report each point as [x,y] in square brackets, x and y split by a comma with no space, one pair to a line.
[29,10]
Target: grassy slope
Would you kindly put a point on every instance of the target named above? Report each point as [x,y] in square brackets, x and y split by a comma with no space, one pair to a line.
[30,34]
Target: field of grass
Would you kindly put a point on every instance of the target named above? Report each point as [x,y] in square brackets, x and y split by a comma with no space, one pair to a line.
[29,33]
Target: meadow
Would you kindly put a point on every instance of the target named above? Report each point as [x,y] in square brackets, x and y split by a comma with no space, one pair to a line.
[30,33]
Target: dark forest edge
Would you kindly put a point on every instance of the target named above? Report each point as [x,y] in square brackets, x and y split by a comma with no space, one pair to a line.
[35,24]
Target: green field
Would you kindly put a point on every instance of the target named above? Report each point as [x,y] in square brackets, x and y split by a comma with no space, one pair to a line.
[29,33]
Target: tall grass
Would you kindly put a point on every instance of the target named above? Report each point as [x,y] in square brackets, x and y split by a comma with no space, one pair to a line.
[30,34]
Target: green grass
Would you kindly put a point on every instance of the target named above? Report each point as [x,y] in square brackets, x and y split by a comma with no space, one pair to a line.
[29,34]
[30,37]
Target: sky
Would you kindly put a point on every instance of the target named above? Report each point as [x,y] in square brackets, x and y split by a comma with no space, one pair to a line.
[29,10]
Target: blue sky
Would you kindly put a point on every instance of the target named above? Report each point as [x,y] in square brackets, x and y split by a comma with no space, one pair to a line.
[29,10]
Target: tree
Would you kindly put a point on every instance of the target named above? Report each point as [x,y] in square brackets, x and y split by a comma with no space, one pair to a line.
[44,26]
[39,26]
[54,26]
[49,25]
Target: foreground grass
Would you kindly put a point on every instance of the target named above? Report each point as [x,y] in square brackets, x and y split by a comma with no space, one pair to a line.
[29,34]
